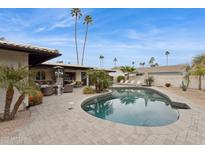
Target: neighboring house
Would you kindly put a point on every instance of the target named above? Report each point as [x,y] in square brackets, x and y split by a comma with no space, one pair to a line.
[162,74]
[116,72]
[166,74]
[16,55]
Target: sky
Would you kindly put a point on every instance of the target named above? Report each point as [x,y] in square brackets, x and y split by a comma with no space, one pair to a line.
[127,34]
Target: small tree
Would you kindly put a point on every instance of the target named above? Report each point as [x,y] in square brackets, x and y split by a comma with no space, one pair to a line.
[152,62]
[120,77]
[199,70]
[10,79]
[128,70]
[198,67]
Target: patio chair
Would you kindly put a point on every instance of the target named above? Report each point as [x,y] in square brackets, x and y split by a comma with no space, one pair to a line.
[68,88]
[139,83]
[47,90]
[132,82]
[126,82]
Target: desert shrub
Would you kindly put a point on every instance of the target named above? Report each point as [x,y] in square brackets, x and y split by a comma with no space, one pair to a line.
[184,86]
[88,90]
[149,81]
[35,98]
[120,77]
[167,84]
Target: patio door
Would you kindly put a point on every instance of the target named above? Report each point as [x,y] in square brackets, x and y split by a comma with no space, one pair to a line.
[84,78]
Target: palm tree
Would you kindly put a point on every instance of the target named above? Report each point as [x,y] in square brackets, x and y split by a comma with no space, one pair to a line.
[167,53]
[100,79]
[133,64]
[10,79]
[101,60]
[128,70]
[152,61]
[198,67]
[75,12]
[115,61]
[142,64]
[88,20]
[156,64]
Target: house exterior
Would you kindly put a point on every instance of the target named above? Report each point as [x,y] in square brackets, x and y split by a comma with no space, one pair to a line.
[166,74]
[45,73]
[162,74]
[116,72]
[16,55]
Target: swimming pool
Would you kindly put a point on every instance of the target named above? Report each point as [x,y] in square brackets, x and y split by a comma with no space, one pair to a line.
[133,106]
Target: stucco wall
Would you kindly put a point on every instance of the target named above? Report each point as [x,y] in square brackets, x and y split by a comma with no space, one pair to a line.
[14,59]
[50,76]
[175,80]
[116,74]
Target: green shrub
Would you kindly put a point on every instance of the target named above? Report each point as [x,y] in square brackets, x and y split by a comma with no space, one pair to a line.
[167,84]
[88,90]
[100,79]
[120,77]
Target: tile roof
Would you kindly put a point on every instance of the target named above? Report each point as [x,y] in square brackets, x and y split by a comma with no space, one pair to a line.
[74,66]
[26,47]
[65,65]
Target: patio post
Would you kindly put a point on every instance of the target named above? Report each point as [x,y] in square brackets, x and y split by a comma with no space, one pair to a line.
[87,80]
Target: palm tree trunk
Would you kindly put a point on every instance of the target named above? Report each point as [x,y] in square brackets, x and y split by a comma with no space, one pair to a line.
[102,63]
[199,82]
[16,106]
[86,34]
[9,97]
[76,43]
[167,60]
[128,76]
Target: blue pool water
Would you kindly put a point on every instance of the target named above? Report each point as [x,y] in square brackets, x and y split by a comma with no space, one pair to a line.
[139,107]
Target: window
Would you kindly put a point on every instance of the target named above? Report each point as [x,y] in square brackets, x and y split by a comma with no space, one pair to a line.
[40,75]
[70,76]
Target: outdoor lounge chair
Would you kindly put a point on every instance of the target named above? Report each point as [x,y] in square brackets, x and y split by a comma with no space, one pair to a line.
[68,88]
[132,82]
[139,83]
[47,90]
[126,82]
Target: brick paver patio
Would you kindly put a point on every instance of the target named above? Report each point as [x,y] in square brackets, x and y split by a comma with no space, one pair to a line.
[53,123]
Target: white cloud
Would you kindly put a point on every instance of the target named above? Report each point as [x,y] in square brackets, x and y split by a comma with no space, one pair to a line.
[62,23]
[40,29]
